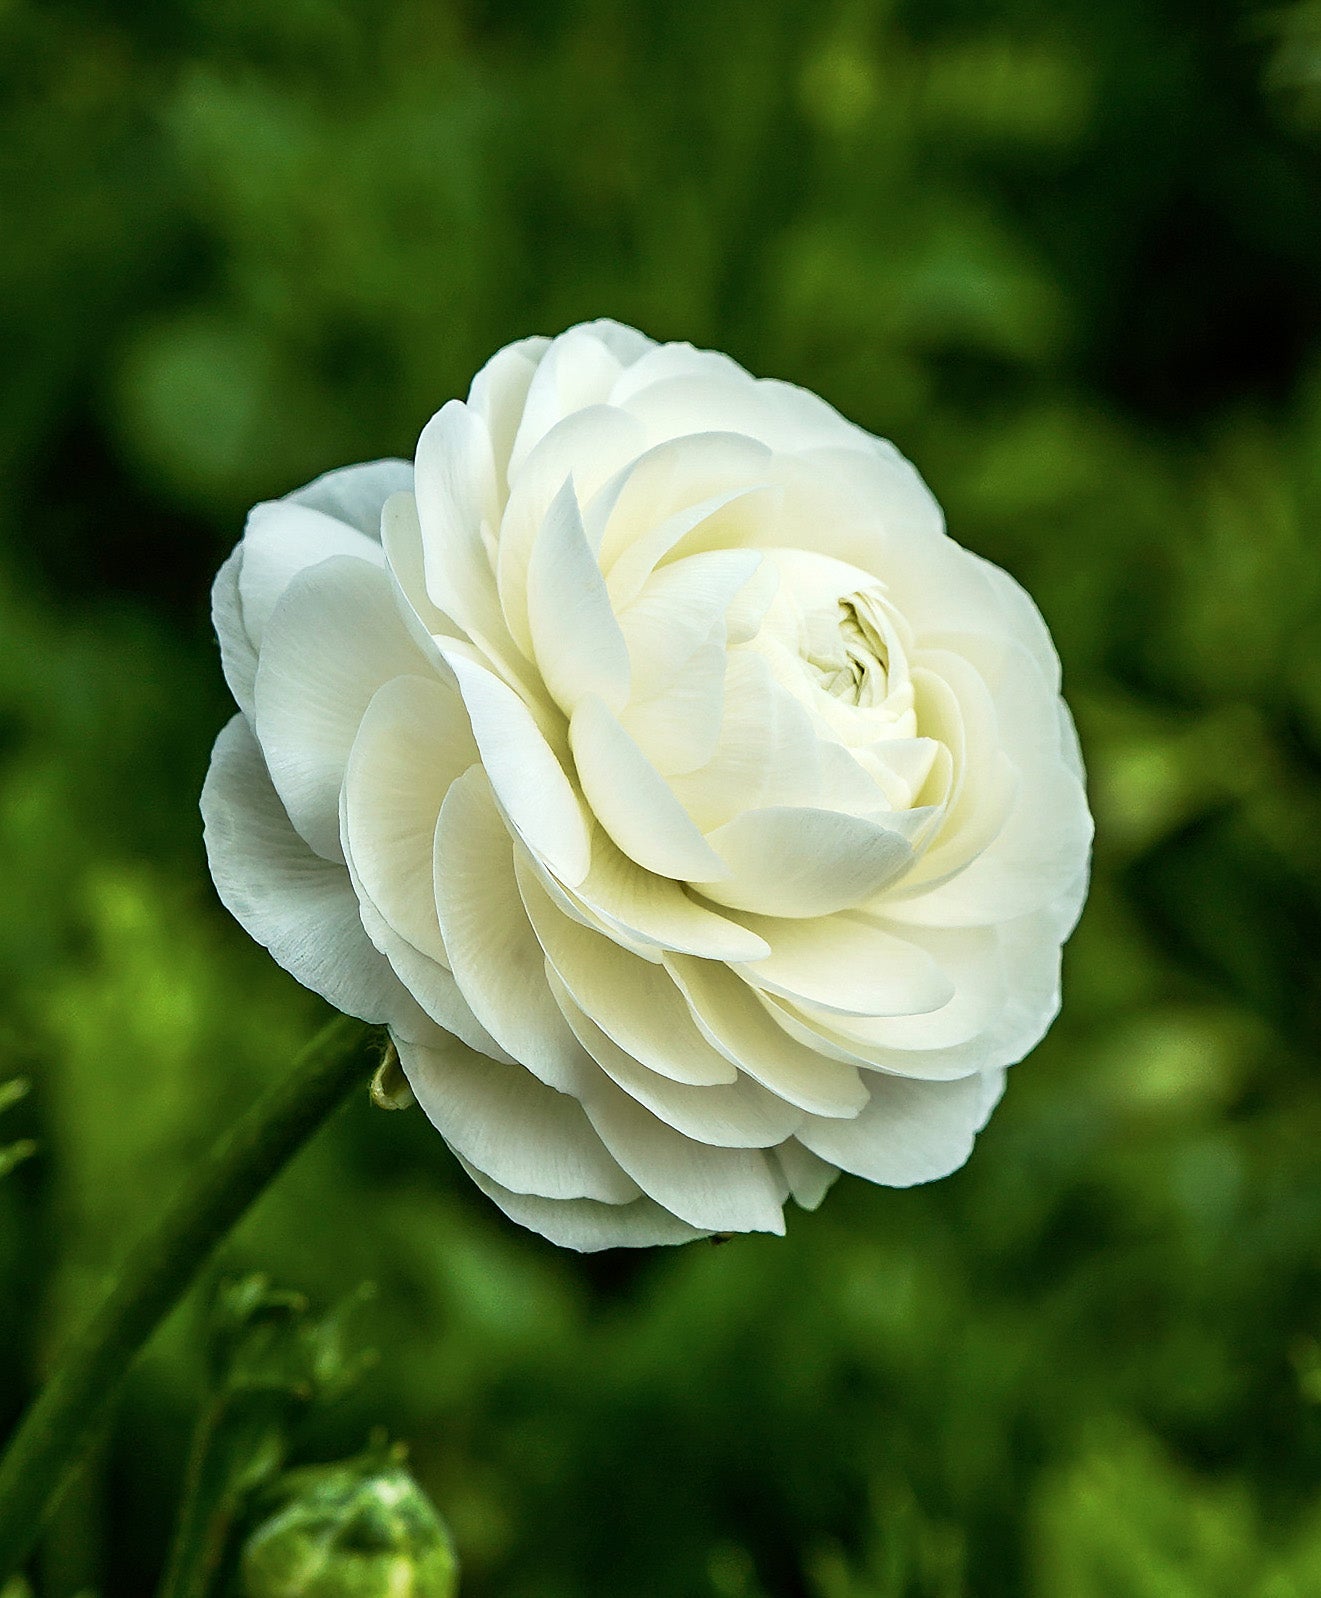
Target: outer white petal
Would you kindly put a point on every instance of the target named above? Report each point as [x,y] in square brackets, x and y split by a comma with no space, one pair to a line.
[499,394]
[355,494]
[458,508]
[300,907]
[576,372]
[777,414]
[520,1132]
[401,539]
[489,942]
[431,984]
[678,729]
[715,1189]
[987,603]
[910,1132]
[915,1045]
[238,655]
[808,1177]
[708,490]
[992,1091]
[414,741]
[1037,855]
[634,546]
[283,539]
[585,1224]
[457,497]
[768,754]
[953,705]
[865,504]
[587,448]
[333,640]
[679,359]
[678,610]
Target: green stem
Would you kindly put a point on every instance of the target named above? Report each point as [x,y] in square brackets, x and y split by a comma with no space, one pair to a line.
[229,1456]
[56,1432]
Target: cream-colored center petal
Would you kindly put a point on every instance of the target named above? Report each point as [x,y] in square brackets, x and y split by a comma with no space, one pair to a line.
[837,644]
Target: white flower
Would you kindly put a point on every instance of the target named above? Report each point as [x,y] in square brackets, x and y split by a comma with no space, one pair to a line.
[699,817]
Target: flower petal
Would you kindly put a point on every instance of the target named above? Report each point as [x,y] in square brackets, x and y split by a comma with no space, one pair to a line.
[354,494]
[489,942]
[795,861]
[429,982]
[332,641]
[575,636]
[846,962]
[777,414]
[499,396]
[709,487]
[910,1132]
[238,657]
[678,611]
[300,907]
[281,540]
[575,373]
[657,911]
[585,1224]
[528,780]
[520,1132]
[737,1115]
[414,741]
[631,799]
[728,1013]
[768,754]
[809,1178]
[678,729]
[714,1189]
[587,447]
[401,539]
[634,1002]
[458,509]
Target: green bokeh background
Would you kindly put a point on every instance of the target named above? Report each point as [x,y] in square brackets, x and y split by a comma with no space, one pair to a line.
[1068,256]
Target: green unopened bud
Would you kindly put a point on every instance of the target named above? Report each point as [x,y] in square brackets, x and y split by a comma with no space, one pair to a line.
[361,1529]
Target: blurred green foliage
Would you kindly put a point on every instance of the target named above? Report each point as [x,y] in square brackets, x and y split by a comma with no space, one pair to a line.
[1067,256]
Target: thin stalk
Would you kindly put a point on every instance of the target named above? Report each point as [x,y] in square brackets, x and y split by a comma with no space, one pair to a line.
[62,1422]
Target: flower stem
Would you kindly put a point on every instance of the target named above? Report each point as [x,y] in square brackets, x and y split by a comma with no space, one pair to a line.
[62,1422]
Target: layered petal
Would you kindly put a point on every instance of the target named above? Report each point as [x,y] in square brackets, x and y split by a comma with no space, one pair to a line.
[489,942]
[282,539]
[713,1189]
[291,901]
[909,1132]
[519,1132]
[587,1225]
[332,641]
[413,743]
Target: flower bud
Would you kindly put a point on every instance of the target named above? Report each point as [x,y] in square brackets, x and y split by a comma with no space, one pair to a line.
[359,1529]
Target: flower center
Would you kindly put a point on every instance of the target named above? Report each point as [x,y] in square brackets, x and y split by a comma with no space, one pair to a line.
[848,653]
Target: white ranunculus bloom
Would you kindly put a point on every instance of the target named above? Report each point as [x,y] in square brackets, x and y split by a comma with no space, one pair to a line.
[699,817]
